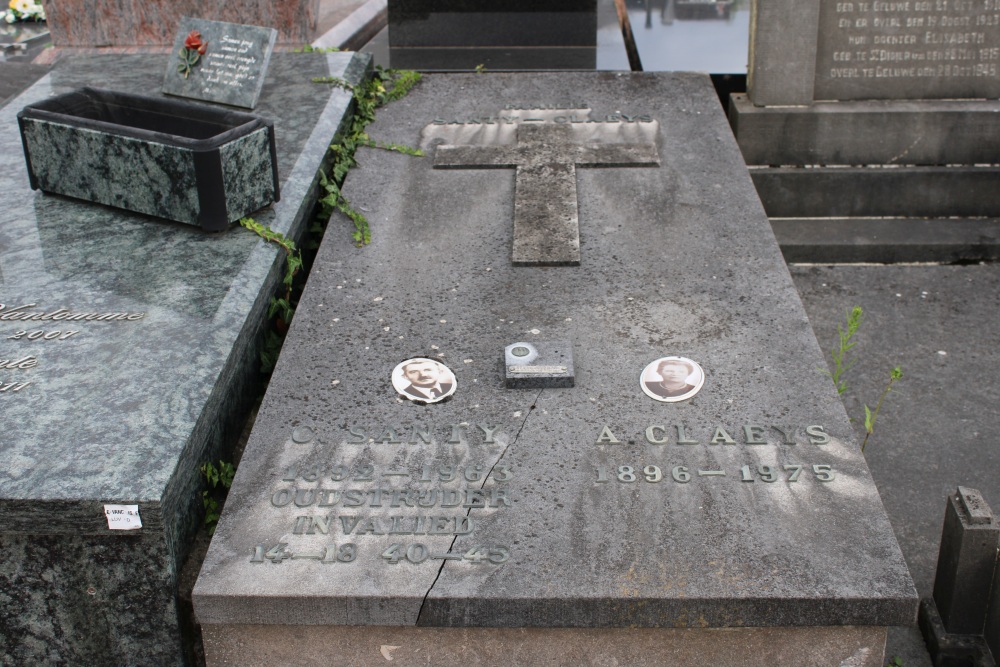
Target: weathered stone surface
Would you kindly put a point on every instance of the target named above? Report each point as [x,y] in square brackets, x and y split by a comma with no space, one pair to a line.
[783,36]
[126,409]
[932,192]
[932,132]
[593,506]
[538,647]
[887,240]
[546,153]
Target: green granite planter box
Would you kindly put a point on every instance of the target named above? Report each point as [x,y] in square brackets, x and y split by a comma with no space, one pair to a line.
[169,158]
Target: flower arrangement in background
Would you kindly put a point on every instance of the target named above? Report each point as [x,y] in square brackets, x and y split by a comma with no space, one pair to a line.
[23,10]
[194,48]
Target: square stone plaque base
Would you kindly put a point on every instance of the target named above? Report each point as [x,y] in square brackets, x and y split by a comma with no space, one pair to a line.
[836,646]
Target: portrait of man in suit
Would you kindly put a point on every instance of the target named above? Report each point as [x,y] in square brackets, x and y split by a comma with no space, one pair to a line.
[423,380]
[672,379]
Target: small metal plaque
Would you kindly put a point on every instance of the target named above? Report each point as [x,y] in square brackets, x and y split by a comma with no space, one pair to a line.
[672,379]
[539,365]
[423,380]
[550,370]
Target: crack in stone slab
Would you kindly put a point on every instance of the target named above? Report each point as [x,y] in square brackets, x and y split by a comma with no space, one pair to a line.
[486,477]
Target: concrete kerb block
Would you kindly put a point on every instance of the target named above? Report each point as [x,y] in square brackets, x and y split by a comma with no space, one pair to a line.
[966,562]
[991,633]
[961,623]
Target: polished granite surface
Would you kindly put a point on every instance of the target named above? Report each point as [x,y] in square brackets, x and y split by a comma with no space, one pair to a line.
[156,349]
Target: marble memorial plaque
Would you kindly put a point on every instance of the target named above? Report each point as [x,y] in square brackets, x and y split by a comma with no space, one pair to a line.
[219,62]
[594,506]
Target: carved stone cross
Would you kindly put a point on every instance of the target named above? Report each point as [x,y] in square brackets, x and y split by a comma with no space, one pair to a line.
[546,221]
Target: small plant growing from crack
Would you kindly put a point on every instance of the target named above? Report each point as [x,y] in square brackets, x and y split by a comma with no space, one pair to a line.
[841,364]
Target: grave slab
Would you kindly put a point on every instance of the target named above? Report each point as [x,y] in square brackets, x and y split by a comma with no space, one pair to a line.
[129,347]
[746,506]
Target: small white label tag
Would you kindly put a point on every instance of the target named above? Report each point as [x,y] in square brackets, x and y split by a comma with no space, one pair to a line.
[123,517]
[547,370]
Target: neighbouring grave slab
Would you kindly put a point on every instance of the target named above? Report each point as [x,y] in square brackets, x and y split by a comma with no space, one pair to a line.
[506,35]
[128,357]
[742,513]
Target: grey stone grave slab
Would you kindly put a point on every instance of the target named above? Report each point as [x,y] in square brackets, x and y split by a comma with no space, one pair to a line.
[129,353]
[505,515]
[232,69]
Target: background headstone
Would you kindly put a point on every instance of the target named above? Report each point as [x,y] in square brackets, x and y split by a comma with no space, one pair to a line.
[877,117]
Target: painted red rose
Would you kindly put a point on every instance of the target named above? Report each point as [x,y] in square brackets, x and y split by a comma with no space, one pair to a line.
[193,42]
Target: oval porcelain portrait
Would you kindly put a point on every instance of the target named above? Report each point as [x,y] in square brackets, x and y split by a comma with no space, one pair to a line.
[423,380]
[672,379]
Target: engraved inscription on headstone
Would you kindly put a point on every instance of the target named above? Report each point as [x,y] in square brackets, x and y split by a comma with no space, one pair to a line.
[231,69]
[898,49]
[547,148]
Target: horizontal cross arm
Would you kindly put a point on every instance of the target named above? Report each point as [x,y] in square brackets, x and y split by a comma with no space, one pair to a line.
[617,155]
[497,157]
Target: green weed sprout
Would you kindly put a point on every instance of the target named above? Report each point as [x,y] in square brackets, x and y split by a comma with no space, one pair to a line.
[870,417]
[844,345]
